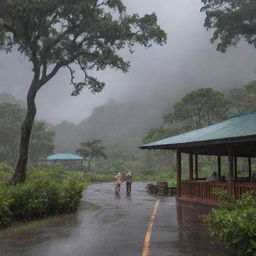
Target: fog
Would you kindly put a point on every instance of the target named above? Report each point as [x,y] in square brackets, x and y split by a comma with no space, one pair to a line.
[157,75]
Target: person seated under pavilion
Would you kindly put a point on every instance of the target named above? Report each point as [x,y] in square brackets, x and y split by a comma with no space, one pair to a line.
[213,177]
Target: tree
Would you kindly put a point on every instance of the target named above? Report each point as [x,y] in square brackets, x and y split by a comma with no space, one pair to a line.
[231,21]
[195,110]
[243,99]
[41,143]
[200,108]
[11,117]
[56,34]
[90,150]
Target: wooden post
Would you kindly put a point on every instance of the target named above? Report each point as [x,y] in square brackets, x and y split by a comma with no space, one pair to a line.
[231,171]
[219,167]
[250,168]
[235,167]
[196,166]
[178,174]
[190,166]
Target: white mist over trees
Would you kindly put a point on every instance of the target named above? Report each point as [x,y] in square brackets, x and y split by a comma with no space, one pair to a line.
[188,61]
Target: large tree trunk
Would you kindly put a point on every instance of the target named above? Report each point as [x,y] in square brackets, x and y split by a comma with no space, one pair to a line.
[20,170]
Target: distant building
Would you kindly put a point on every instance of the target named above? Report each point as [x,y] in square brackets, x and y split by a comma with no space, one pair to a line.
[68,161]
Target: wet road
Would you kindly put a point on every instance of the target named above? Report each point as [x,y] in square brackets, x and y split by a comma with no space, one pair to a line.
[109,225]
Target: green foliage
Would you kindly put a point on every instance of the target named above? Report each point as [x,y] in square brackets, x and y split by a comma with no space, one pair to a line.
[5,211]
[159,133]
[231,21]
[41,142]
[5,173]
[200,108]
[234,223]
[195,110]
[45,192]
[100,177]
[91,149]
[11,117]
[244,99]
[9,98]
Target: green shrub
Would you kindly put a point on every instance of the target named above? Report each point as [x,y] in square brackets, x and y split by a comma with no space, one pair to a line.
[34,198]
[71,195]
[234,223]
[5,173]
[95,177]
[5,212]
[45,192]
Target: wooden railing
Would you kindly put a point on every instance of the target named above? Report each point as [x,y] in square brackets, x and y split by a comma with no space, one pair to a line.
[204,189]
[238,189]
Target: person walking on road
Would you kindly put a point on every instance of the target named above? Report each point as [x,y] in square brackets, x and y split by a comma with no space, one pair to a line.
[118,181]
[128,179]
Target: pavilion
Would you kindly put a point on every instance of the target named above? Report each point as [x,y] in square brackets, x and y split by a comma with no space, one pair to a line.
[233,138]
[68,161]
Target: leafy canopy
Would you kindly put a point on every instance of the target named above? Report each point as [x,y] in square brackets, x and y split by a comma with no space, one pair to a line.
[231,21]
[89,33]
[90,150]
[199,108]
[244,99]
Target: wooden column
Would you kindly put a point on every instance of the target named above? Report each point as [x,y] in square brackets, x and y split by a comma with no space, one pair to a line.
[250,168]
[178,172]
[230,165]
[235,168]
[190,167]
[196,166]
[230,172]
[219,167]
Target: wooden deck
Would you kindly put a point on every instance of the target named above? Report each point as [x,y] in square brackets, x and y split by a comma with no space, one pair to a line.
[202,191]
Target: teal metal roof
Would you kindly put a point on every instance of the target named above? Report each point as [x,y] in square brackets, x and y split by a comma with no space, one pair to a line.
[236,128]
[64,157]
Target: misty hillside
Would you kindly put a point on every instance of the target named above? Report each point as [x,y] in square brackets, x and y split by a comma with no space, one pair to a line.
[114,123]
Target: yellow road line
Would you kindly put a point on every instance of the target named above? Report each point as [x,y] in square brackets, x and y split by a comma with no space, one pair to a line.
[146,248]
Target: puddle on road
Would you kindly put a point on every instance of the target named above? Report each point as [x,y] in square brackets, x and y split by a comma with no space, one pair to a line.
[178,229]
[193,235]
[86,205]
[151,199]
[51,220]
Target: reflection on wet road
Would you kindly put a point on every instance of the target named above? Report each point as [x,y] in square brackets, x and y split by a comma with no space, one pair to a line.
[109,225]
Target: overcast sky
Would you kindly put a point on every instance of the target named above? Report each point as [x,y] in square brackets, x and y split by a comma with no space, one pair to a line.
[188,61]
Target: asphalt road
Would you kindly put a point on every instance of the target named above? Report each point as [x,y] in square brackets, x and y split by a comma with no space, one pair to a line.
[110,225]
